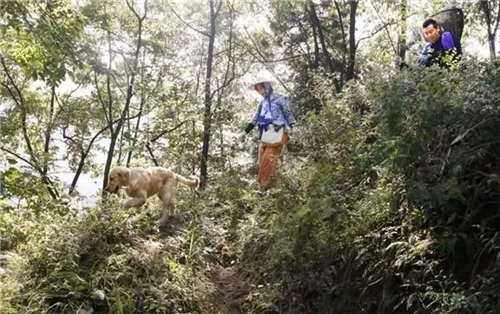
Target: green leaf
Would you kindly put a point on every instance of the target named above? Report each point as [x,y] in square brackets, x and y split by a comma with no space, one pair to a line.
[127,136]
[12,174]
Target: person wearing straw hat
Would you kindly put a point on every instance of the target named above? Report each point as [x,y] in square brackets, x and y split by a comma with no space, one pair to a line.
[275,121]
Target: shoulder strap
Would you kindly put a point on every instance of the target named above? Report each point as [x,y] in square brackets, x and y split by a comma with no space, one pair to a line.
[458,45]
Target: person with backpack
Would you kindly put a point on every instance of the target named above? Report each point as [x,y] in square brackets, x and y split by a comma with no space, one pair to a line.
[275,121]
[442,48]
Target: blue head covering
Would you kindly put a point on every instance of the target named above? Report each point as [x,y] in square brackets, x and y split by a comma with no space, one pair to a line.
[266,116]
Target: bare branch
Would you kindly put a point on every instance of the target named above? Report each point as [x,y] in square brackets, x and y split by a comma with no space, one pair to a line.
[145,10]
[23,111]
[497,21]
[133,10]
[344,42]
[21,100]
[230,60]
[72,140]
[341,22]
[77,87]
[381,28]
[19,157]
[188,25]
[99,95]
[218,8]
[45,179]
[118,84]
[387,31]
[11,93]
[48,131]
[154,139]
[152,155]
[229,81]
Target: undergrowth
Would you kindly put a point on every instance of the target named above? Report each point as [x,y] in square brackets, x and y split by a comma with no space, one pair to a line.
[388,202]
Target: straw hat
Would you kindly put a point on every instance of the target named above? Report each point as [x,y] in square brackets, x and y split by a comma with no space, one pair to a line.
[262,78]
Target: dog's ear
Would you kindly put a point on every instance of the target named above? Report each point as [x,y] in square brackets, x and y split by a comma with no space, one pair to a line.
[124,174]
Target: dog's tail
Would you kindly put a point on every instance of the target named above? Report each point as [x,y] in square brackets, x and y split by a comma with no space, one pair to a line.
[193,182]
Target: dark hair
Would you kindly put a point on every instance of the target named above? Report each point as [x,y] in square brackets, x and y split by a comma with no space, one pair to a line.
[430,22]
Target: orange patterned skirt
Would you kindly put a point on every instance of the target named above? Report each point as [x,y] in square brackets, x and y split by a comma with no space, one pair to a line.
[268,163]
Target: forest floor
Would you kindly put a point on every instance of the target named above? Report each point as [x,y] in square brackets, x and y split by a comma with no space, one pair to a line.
[231,290]
[226,288]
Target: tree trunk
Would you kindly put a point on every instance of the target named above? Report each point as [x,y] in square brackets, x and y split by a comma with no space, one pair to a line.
[116,133]
[130,92]
[402,31]
[120,139]
[344,44]
[316,45]
[48,132]
[352,40]
[493,53]
[316,23]
[85,153]
[487,11]
[207,121]
[491,41]
[19,100]
[136,132]
[78,172]
[138,123]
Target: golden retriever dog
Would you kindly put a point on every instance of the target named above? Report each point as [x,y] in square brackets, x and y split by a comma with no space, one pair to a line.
[142,183]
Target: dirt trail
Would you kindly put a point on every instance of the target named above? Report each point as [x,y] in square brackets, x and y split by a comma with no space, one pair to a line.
[231,290]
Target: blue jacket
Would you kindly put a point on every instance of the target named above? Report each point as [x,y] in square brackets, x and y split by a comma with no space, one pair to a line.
[280,108]
[435,53]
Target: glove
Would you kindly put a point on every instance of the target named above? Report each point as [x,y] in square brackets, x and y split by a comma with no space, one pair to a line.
[398,61]
[242,136]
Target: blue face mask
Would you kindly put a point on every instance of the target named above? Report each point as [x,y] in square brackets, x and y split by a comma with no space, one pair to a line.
[268,88]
